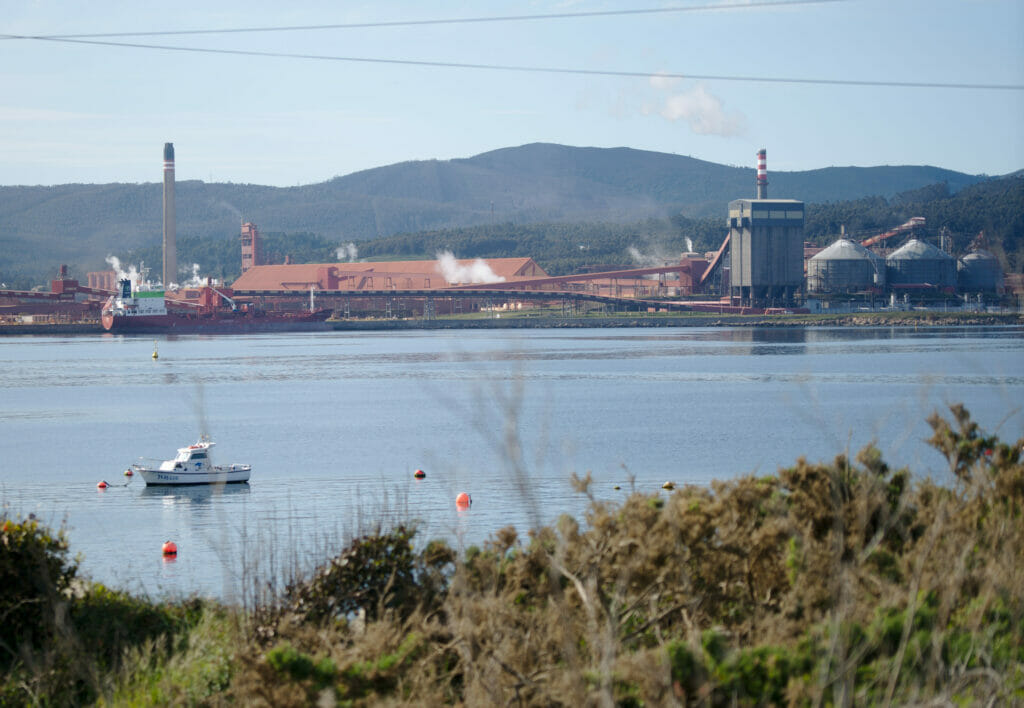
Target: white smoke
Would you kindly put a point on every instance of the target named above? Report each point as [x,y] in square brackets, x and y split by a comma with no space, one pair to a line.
[229,207]
[649,260]
[689,244]
[348,253]
[701,109]
[196,281]
[132,273]
[477,272]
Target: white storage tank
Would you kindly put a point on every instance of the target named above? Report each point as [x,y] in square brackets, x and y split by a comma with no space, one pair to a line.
[920,263]
[978,272]
[845,266]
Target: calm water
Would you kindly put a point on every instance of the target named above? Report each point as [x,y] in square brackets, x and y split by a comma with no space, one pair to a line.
[334,425]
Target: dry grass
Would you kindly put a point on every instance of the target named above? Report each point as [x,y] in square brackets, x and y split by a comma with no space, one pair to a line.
[841,583]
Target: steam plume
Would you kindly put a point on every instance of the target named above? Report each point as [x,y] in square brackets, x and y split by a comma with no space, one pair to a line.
[196,281]
[477,272]
[132,273]
[348,252]
[647,260]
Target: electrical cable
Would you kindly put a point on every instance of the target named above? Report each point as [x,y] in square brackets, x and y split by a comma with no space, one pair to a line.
[552,70]
[453,21]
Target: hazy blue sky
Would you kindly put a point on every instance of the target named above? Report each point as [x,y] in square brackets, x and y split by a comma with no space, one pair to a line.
[92,113]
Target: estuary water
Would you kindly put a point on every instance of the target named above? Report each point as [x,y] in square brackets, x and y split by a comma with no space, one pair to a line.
[334,425]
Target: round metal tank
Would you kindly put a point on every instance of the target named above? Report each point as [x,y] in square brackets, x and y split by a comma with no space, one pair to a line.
[979,271]
[920,263]
[845,266]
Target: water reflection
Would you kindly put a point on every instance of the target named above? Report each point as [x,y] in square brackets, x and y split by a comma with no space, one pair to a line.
[768,340]
[198,494]
[335,424]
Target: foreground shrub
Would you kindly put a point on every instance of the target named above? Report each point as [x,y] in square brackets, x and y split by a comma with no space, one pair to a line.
[65,641]
[841,582]
[376,573]
[837,583]
[35,577]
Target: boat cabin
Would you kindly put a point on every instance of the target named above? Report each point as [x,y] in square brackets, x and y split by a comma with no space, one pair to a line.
[190,459]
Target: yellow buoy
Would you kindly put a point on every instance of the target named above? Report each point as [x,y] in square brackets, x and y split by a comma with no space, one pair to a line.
[156,355]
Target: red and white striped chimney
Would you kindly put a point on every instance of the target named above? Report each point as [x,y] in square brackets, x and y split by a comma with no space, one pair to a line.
[762,174]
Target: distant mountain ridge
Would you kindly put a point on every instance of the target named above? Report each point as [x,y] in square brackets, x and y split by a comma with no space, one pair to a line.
[540,182]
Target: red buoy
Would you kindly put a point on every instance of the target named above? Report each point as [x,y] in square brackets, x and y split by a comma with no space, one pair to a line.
[170,548]
[463,501]
[128,472]
[101,485]
[419,474]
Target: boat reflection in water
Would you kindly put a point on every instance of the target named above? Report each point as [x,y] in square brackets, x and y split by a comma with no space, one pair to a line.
[197,494]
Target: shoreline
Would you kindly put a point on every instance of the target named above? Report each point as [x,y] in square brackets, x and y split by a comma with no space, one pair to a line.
[864,319]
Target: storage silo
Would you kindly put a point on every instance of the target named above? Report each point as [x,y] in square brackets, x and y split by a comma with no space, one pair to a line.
[766,258]
[766,237]
[979,271]
[920,263]
[845,266]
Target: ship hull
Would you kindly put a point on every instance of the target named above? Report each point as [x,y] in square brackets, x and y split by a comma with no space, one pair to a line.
[245,324]
[175,478]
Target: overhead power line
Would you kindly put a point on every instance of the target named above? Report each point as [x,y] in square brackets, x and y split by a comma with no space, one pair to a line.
[546,69]
[451,21]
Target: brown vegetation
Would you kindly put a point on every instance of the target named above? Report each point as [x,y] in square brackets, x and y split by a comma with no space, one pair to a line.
[834,583]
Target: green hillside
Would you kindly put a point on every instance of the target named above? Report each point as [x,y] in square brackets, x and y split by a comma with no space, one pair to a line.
[527,186]
[995,206]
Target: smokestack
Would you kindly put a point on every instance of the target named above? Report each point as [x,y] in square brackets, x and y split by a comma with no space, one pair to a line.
[170,274]
[762,174]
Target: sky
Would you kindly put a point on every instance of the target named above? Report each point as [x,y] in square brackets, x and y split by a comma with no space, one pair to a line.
[678,81]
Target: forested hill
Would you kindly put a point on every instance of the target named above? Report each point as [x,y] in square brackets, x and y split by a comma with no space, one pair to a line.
[995,206]
[80,224]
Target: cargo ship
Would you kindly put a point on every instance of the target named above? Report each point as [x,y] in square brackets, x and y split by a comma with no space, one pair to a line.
[146,309]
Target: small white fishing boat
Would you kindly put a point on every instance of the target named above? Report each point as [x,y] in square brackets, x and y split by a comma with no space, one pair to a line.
[192,465]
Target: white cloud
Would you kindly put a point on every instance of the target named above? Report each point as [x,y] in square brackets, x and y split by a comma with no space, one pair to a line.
[701,109]
[665,83]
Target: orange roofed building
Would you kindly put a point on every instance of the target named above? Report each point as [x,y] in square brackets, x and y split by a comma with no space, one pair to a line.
[386,275]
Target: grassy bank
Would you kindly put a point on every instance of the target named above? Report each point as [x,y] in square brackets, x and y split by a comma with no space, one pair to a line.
[838,583]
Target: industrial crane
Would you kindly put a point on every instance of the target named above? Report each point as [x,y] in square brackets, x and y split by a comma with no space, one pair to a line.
[914,222]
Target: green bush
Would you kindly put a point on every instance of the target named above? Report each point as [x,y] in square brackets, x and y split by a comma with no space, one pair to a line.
[375,573]
[36,576]
[113,620]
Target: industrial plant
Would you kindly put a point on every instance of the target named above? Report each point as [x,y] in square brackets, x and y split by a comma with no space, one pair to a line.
[763,265]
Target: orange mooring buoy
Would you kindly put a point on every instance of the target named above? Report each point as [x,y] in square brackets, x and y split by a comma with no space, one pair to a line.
[170,548]
[419,474]
[101,485]
[463,500]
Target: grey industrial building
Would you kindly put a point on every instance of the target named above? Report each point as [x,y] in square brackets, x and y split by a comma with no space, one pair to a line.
[766,258]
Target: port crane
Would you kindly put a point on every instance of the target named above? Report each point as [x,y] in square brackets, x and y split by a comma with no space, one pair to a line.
[914,222]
